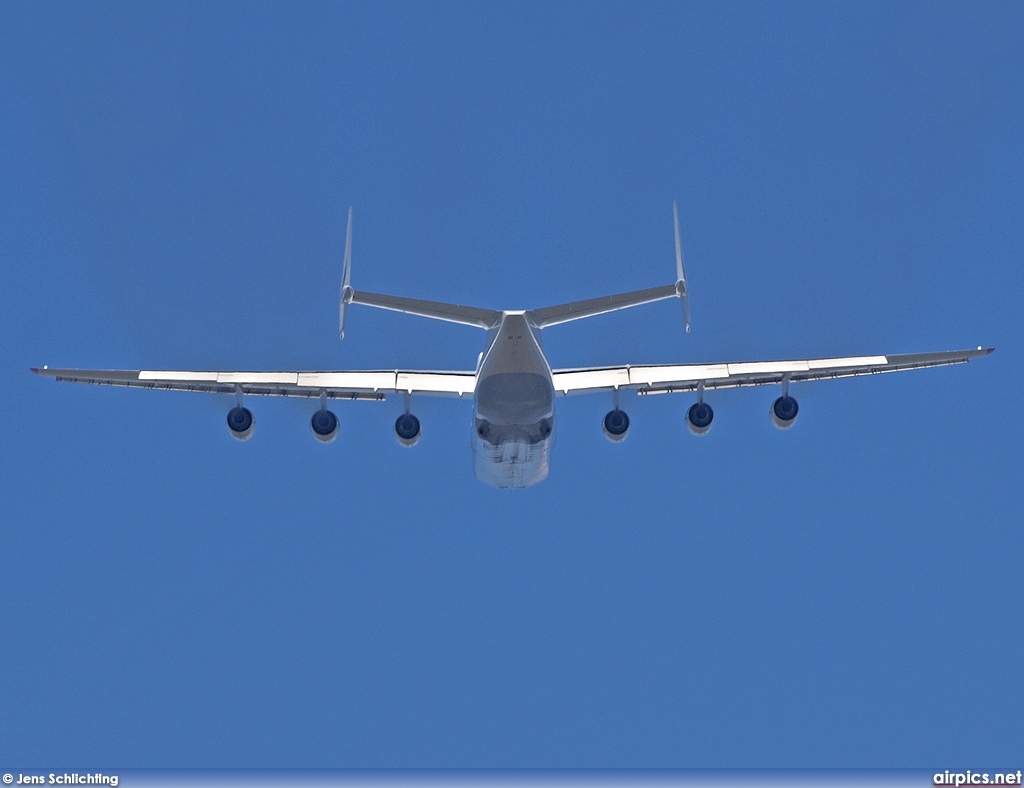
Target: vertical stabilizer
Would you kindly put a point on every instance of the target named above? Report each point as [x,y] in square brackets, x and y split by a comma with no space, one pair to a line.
[346,273]
[680,271]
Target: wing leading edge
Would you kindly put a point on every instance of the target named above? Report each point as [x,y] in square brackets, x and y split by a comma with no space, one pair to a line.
[665,379]
[645,378]
[372,385]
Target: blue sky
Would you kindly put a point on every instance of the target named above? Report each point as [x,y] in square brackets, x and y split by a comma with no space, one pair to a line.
[174,180]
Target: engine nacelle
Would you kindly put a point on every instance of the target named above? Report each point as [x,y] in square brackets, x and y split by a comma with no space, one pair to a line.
[324,426]
[408,430]
[699,418]
[784,411]
[241,423]
[616,425]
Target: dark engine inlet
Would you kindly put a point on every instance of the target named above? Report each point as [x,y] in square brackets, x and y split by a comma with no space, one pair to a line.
[407,429]
[699,418]
[324,426]
[616,425]
[241,423]
[784,412]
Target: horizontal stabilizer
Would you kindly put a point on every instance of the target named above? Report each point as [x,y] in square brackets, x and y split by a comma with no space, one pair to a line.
[563,313]
[453,313]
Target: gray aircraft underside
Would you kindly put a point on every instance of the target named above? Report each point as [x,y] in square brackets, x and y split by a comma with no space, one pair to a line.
[513,387]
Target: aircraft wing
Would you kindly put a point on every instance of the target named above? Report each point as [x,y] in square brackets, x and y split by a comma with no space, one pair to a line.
[334,385]
[665,379]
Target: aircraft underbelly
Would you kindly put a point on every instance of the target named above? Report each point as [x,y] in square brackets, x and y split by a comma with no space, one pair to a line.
[514,416]
[514,398]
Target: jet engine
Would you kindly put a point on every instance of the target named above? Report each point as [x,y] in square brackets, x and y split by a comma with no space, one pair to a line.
[699,418]
[241,423]
[616,425]
[784,411]
[324,426]
[408,430]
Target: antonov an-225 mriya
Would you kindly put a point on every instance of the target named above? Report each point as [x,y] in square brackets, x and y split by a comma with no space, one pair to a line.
[513,386]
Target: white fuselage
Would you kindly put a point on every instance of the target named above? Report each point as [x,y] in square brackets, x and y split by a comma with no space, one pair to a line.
[514,407]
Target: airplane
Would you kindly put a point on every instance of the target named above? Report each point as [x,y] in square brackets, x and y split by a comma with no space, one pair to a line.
[513,386]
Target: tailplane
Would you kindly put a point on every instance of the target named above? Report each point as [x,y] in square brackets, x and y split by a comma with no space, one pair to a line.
[489,318]
[563,313]
[453,313]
